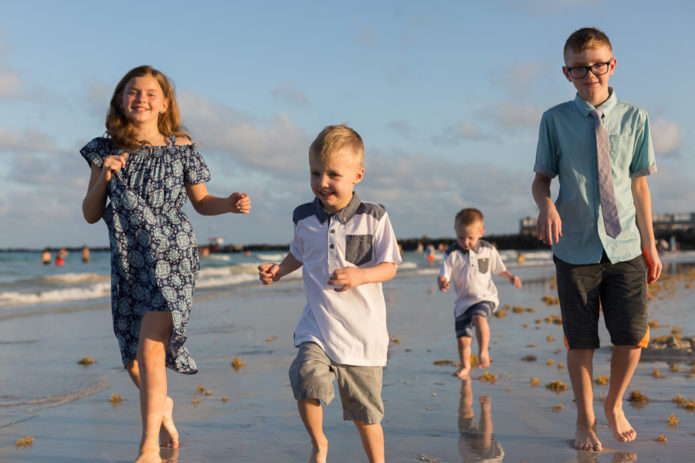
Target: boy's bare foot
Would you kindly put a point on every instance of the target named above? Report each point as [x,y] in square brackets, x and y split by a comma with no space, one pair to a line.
[585,438]
[168,435]
[149,456]
[319,452]
[484,360]
[462,373]
[621,427]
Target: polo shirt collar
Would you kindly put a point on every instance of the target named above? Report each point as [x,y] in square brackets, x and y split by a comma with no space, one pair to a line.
[475,248]
[585,108]
[344,215]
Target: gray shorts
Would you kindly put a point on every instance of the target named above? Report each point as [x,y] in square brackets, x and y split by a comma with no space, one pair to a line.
[619,290]
[312,374]
[464,322]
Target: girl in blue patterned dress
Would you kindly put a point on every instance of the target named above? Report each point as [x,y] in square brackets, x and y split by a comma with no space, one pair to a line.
[147,167]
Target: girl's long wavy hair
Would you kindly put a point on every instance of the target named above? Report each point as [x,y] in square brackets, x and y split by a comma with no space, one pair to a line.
[120,128]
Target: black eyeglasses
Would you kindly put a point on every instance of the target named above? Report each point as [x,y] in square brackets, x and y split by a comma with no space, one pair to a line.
[598,69]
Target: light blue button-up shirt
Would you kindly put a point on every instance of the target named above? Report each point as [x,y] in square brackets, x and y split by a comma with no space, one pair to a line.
[567,149]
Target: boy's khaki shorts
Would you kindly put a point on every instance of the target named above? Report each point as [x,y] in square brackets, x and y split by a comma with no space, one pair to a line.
[619,290]
[312,374]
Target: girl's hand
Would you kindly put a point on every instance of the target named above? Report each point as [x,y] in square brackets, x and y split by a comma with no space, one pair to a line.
[240,203]
[268,273]
[112,164]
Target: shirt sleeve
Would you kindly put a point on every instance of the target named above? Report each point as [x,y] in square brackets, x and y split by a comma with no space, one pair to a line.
[195,169]
[297,245]
[546,151]
[95,151]
[643,160]
[445,270]
[385,243]
[496,264]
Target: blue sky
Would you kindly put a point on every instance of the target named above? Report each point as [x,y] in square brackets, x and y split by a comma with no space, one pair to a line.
[447,96]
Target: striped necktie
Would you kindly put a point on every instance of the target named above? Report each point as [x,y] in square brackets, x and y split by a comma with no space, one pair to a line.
[611,221]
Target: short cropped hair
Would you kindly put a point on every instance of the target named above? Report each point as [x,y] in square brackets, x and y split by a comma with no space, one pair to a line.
[468,216]
[335,138]
[587,37]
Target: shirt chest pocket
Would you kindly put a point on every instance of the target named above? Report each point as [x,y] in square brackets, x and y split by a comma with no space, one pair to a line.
[483,265]
[359,249]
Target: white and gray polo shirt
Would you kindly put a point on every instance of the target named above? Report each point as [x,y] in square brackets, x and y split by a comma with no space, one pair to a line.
[472,272]
[349,326]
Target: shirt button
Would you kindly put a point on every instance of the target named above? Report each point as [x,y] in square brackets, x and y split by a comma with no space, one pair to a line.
[332,231]
[332,246]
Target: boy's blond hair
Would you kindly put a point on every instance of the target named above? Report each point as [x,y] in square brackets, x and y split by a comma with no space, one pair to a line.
[335,138]
[468,216]
[586,38]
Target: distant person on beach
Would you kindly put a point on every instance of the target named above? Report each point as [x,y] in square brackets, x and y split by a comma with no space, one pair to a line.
[429,254]
[147,166]
[471,262]
[346,248]
[600,226]
[86,257]
[60,257]
[46,257]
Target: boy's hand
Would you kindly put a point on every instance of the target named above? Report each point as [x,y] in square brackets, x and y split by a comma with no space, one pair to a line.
[268,273]
[651,258]
[112,164]
[515,281]
[346,278]
[549,225]
[240,203]
[443,284]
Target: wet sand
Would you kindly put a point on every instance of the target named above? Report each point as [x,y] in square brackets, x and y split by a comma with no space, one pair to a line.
[259,421]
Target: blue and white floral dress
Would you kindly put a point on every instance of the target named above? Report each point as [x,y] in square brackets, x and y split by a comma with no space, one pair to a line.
[154,255]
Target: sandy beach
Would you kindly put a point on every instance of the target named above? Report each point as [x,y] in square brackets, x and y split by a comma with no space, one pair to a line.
[258,421]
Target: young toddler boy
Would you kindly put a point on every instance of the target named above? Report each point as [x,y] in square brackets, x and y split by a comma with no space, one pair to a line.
[347,248]
[472,262]
[600,226]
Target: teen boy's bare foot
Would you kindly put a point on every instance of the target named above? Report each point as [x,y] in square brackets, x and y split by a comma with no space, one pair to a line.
[621,427]
[484,360]
[168,435]
[149,456]
[319,452]
[585,437]
[462,373]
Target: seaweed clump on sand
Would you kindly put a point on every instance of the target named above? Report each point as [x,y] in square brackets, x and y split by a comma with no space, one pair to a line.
[27,441]
[237,363]
[86,360]
[556,386]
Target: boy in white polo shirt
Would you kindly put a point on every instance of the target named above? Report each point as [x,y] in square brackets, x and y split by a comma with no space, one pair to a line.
[472,263]
[346,248]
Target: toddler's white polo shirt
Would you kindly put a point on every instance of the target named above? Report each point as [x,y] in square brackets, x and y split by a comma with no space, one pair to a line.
[472,272]
[349,326]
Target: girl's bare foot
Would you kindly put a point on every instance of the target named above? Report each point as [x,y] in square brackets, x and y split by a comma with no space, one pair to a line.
[621,427]
[168,435]
[149,456]
[462,373]
[319,452]
[484,360]
[585,437]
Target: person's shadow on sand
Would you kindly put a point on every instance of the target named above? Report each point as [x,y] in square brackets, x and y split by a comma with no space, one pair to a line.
[476,444]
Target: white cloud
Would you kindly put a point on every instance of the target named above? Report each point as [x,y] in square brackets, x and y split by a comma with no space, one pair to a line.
[666,136]
[275,144]
[510,116]
[9,83]
[402,127]
[464,130]
[30,140]
[290,94]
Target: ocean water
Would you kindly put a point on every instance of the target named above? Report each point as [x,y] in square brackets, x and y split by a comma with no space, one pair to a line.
[26,284]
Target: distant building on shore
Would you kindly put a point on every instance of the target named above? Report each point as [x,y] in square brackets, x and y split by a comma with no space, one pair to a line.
[684,221]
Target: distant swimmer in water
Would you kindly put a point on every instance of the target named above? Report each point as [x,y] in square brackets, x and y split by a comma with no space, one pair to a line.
[429,252]
[60,258]
[86,257]
[46,257]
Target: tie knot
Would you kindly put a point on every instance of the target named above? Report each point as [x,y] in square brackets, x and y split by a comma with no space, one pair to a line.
[597,113]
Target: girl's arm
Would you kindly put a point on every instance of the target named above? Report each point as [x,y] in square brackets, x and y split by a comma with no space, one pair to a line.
[207,204]
[95,200]
[643,212]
